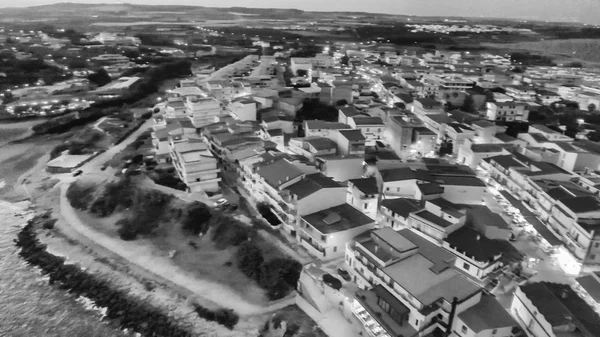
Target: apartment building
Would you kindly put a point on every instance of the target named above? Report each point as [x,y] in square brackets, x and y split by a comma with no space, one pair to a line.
[313,147]
[547,309]
[202,111]
[402,182]
[410,289]
[507,111]
[438,218]
[396,211]
[195,165]
[402,133]
[320,128]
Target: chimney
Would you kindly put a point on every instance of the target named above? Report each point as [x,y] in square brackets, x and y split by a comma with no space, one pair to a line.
[376,248]
[478,237]
[564,294]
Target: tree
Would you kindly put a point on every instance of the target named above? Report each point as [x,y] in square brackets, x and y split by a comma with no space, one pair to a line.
[469,104]
[341,102]
[197,216]
[446,148]
[100,77]
[249,259]
[279,276]
[592,107]
[344,60]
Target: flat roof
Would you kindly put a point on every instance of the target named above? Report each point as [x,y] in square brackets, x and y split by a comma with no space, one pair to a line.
[279,172]
[337,219]
[415,274]
[591,284]
[459,181]
[402,206]
[427,215]
[312,184]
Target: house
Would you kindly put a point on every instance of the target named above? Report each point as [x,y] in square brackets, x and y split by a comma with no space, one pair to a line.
[351,142]
[278,122]
[371,127]
[547,309]
[202,111]
[402,182]
[363,194]
[507,111]
[409,288]
[290,105]
[401,129]
[312,147]
[590,286]
[320,128]
[471,154]
[396,211]
[464,189]
[346,112]
[325,233]
[438,219]
[425,106]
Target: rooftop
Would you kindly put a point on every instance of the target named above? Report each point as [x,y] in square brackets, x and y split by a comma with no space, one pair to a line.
[319,124]
[560,305]
[582,204]
[505,138]
[404,173]
[458,180]
[591,284]
[321,143]
[482,148]
[471,243]
[369,300]
[352,135]
[360,120]
[488,314]
[402,206]
[279,172]
[337,219]
[430,188]
[427,215]
[505,161]
[367,186]
[349,111]
[312,184]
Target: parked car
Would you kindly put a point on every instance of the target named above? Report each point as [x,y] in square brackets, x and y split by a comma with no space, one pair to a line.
[77,173]
[344,274]
[103,167]
[233,207]
[221,202]
[332,281]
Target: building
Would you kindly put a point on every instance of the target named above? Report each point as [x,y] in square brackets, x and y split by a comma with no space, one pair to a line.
[363,194]
[313,147]
[410,289]
[202,111]
[319,128]
[325,233]
[195,165]
[547,309]
[507,111]
[438,219]
[117,87]
[372,128]
[397,211]
[243,109]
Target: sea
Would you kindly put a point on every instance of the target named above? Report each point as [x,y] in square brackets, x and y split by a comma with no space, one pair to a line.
[29,306]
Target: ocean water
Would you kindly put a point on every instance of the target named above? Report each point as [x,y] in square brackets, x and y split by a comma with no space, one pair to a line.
[28,305]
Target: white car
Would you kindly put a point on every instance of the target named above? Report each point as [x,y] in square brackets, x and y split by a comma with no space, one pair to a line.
[221,202]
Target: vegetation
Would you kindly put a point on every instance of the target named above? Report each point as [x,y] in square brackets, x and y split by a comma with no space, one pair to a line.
[83,142]
[586,49]
[529,59]
[278,276]
[268,214]
[225,317]
[317,110]
[20,72]
[100,77]
[290,321]
[196,218]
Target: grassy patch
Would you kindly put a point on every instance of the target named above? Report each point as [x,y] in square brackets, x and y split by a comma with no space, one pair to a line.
[298,324]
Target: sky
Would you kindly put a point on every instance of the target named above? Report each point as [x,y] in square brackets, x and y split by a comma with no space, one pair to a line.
[585,11]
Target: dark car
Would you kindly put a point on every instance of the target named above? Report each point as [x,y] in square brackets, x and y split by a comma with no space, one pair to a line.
[332,281]
[233,207]
[77,173]
[103,167]
[344,274]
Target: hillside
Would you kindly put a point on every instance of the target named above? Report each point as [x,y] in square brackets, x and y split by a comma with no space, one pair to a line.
[582,49]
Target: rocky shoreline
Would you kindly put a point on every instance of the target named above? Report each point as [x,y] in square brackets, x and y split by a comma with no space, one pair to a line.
[126,311]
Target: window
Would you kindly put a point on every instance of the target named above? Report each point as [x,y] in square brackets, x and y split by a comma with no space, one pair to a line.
[597,244]
[398,189]
[416,322]
[494,331]
[466,266]
[593,257]
[334,249]
[464,329]
[366,205]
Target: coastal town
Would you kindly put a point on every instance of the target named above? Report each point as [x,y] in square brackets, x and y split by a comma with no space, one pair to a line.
[345,188]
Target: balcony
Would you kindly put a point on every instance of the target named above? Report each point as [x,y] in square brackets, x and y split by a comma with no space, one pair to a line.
[312,247]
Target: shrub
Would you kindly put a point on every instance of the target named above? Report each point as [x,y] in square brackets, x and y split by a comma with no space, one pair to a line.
[249,259]
[279,276]
[80,196]
[49,224]
[225,317]
[197,216]
[228,231]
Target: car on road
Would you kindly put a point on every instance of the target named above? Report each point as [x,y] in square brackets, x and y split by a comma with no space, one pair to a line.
[332,281]
[77,173]
[221,202]
[344,274]
[103,167]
